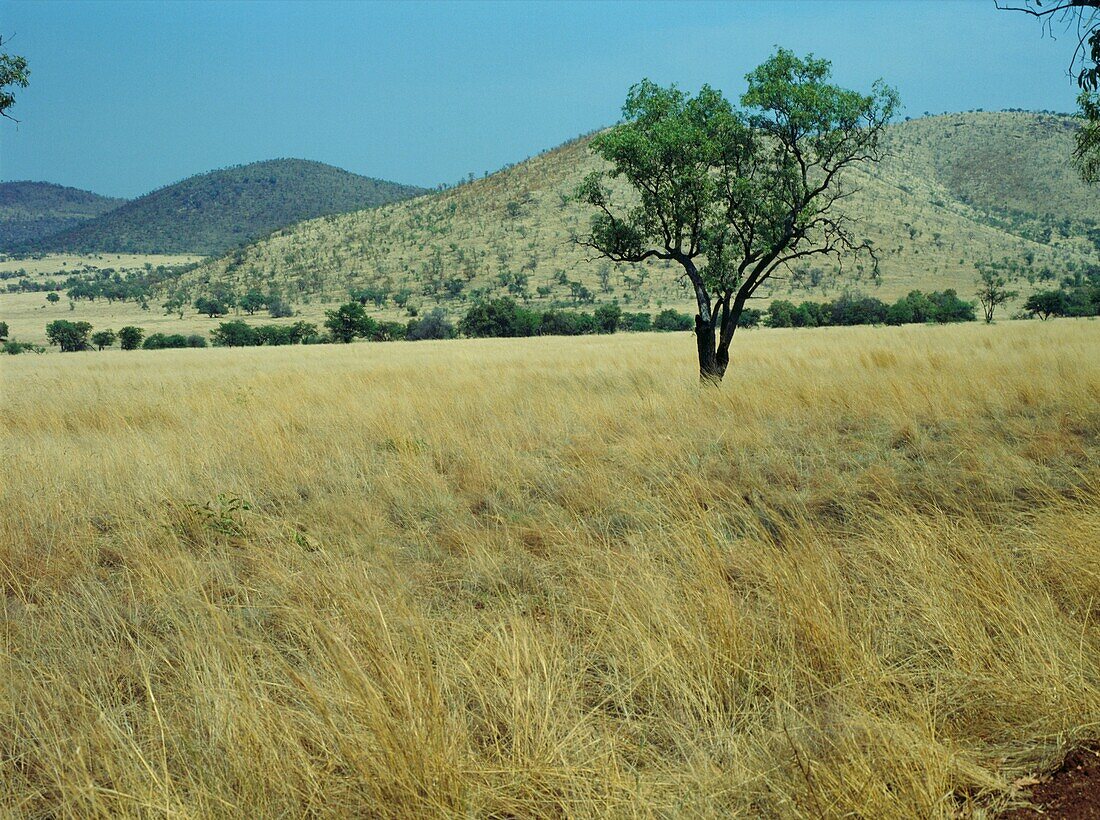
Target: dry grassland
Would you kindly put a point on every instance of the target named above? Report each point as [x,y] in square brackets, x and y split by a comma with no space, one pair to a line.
[551,577]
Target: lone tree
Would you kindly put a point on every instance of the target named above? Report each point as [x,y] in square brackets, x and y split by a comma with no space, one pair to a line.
[349,322]
[103,338]
[129,337]
[1047,303]
[992,290]
[733,196]
[1082,18]
[69,336]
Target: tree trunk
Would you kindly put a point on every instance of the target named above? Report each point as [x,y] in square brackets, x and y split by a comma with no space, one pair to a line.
[710,371]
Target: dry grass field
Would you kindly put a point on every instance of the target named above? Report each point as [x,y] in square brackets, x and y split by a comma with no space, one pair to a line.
[551,577]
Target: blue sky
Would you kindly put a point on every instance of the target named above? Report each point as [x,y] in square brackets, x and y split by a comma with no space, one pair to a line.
[129,96]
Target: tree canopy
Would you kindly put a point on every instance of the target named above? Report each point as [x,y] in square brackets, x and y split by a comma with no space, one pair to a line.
[734,195]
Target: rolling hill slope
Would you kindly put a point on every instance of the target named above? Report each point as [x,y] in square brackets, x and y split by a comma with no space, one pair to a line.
[956,190]
[32,210]
[211,213]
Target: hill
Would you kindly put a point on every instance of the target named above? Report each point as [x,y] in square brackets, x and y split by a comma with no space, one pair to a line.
[32,210]
[213,212]
[956,190]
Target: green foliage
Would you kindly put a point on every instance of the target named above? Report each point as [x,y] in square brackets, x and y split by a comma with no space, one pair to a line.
[129,337]
[251,302]
[1047,303]
[14,348]
[52,297]
[166,341]
[750,317]
[637,322]
[13,74]
[240,334]
[211,306]
[608,317]
[3,331]
[848,310]
[670,320]
[103,338]
[499,318]
[235,334]
[349,322]
[69,336]
[1086,153]
[211,213]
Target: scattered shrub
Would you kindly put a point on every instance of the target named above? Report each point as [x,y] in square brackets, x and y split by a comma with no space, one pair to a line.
[129,337]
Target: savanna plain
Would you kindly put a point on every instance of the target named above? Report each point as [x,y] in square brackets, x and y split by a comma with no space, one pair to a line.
[551,577]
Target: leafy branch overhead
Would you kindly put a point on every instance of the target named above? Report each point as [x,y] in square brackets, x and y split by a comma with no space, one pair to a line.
[1082,18]
[735,194]
[13,74]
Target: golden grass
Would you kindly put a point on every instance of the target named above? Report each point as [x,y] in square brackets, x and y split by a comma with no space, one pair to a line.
[551,577]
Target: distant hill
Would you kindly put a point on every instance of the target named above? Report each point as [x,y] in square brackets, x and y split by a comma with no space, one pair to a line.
[32,210]
[213,212]
[957,190]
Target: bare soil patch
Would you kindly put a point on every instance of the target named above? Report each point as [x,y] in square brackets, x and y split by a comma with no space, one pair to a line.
[1071,792]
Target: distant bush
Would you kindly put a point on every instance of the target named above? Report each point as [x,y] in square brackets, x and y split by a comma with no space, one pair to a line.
[349,322]
[211,307]
[917,308]
[3,331]
[637,322]
[608,317]
[241,334]
[278,308]
[252,301]
[567,323]
[69,336]
[14,348]
[165,341]
[235,334]
[103,338]
[129,337]
[499,318]
[670,320]
[434,325]
[1048,303]
[750,317]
